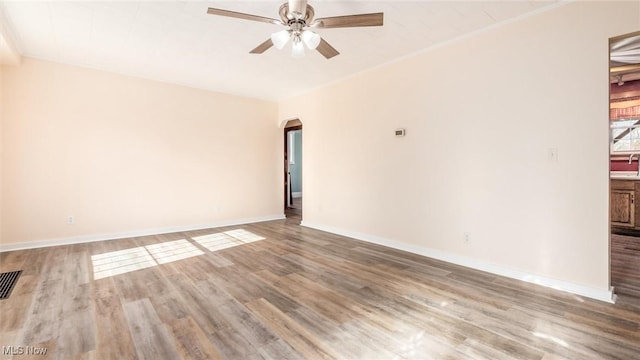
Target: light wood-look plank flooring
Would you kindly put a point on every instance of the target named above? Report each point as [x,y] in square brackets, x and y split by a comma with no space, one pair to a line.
[296,294]
[294,212]
[625,265]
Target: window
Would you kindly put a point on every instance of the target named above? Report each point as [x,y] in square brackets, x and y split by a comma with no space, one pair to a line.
[291,148]
[625,135]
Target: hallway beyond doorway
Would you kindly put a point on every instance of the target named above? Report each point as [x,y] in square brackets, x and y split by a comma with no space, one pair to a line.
[293,213]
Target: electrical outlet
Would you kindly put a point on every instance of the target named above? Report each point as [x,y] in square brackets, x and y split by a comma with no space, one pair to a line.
[466,237]
[70,220]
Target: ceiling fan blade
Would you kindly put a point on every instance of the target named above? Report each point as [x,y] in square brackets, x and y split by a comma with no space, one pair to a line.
[373,19]
[326,50]
[262,47]
[238,15]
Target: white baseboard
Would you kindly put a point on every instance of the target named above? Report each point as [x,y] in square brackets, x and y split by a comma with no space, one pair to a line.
[586,291]
[114,236]
[296,195]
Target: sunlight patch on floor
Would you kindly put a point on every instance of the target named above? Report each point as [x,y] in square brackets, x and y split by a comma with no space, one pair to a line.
[551,338]
[141,257]
[244,236]
[413,343]
[173,251]
[227,239]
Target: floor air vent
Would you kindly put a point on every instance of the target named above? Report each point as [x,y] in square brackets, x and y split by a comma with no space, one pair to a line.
[7,282]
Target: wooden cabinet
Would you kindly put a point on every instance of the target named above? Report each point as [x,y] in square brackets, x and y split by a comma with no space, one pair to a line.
[623,208]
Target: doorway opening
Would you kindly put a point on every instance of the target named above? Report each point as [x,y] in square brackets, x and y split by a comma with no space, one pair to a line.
[293,171]
[624,165]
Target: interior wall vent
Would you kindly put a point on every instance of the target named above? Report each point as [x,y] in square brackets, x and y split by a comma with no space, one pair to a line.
[7,281]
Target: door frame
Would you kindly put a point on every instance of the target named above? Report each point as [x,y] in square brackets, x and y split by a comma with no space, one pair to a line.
[612,40]
[291,125]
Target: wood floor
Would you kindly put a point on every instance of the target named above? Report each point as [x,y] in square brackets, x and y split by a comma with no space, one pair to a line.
[293,213]
[625,264]
[280,291]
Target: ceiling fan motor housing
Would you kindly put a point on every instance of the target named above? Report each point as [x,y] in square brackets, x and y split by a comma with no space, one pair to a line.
[288,16]
[297,8]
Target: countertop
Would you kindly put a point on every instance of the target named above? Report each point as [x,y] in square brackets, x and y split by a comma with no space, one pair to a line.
[624,175]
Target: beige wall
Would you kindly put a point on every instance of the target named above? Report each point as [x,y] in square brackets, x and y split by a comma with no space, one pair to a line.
[481,114]
[124,155]
[1,147]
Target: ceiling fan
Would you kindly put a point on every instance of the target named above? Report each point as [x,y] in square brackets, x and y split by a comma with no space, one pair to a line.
[298,18]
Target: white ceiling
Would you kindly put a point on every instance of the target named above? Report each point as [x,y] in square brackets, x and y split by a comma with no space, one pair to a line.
[178,42]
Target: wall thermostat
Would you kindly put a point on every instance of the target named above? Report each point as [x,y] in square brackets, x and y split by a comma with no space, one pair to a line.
[400,132]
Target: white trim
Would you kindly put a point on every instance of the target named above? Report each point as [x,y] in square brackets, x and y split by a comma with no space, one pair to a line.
[123,235]
[582,290]
[296,194]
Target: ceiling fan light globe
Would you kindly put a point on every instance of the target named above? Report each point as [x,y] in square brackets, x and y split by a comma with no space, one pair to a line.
[311,39]
[297,50]
[280,39]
